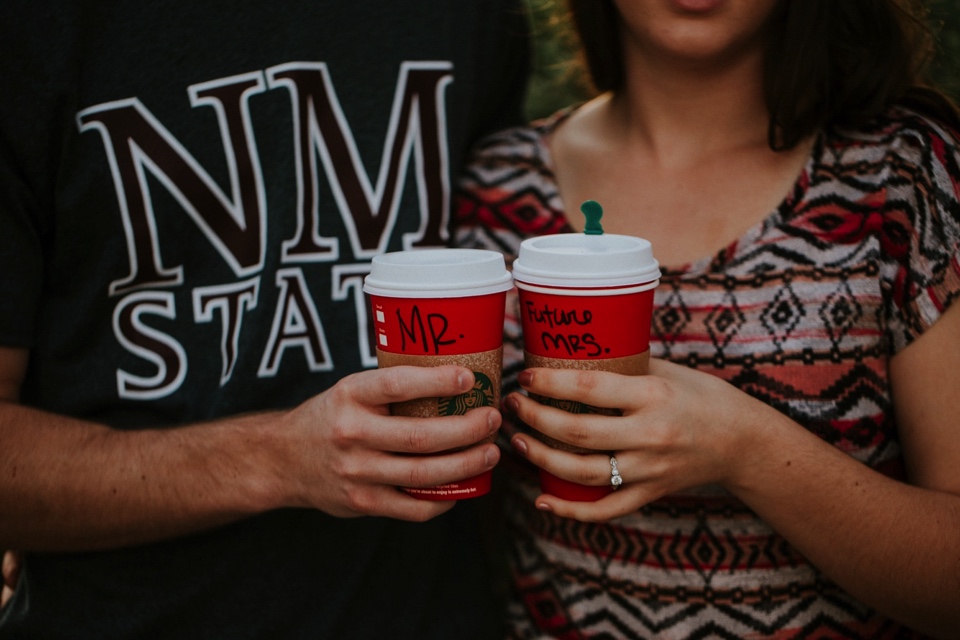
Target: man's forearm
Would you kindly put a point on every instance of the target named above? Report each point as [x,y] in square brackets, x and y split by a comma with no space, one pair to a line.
[74,485]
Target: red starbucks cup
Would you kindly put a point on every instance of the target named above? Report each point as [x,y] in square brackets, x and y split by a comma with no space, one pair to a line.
[433,307]
[585,303]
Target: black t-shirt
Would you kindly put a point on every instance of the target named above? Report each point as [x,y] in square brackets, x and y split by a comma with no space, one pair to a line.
[190,195]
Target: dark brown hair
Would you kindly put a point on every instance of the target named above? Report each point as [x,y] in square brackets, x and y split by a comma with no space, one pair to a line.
[829,63]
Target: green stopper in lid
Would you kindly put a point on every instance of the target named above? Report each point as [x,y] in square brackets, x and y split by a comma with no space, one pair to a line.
[592,211]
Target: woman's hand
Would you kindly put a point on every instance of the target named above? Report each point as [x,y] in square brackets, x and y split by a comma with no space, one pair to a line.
[680,428]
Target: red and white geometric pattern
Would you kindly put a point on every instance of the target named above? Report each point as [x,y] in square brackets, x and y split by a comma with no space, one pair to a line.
[803,312]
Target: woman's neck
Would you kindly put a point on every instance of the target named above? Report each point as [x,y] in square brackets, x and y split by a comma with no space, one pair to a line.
[681,110]
[680,158]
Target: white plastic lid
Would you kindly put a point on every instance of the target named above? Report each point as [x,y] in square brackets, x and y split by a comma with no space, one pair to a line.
[437,273]
[582,260]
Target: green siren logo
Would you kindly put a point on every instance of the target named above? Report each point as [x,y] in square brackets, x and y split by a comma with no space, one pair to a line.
[480,396]
[572,406]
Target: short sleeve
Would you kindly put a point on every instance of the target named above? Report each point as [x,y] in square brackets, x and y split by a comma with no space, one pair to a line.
[21,257]
[927,278]
[507,191]
[28,141]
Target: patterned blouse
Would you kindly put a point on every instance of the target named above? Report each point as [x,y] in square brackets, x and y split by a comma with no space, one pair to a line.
[803,312]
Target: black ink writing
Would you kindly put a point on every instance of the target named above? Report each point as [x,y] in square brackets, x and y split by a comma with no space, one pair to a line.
[557,317]
[435,325]
[571,342]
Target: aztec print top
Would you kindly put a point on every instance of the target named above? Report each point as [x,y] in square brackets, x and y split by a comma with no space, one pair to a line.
[803,312]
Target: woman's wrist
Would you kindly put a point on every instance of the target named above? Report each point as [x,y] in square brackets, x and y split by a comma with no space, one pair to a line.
[760,449]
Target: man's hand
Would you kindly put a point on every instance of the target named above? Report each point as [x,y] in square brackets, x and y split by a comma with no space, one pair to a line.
[347,455]
[77,485]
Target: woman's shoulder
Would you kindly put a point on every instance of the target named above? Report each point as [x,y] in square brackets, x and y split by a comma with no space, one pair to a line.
[520,144]
[514,160]
[507,190]
[902,137]
[904,159]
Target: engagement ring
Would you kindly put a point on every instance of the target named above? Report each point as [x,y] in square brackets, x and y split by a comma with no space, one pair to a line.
[615,479]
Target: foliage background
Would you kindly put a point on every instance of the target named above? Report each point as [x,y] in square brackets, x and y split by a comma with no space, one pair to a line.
[557,81]
[945,21]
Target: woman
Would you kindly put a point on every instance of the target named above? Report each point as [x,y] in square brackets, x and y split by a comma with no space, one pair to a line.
[790,464]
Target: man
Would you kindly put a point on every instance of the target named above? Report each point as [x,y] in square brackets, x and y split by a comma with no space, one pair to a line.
[191,418]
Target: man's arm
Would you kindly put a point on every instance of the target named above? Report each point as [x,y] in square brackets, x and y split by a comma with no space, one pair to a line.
[69,484]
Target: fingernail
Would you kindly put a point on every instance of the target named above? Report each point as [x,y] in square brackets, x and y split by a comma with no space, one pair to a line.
[490,457]
[519,445]
[493,422]
[465,380]
[543,506]
[525,378]
[511,404]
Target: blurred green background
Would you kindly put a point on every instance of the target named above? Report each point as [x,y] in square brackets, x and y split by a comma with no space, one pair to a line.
[557,81]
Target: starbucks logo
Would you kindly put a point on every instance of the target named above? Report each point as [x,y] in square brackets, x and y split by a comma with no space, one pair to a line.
[480,396]
[572,406]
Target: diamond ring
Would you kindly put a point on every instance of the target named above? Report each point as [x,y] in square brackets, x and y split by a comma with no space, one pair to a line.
[615,479]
